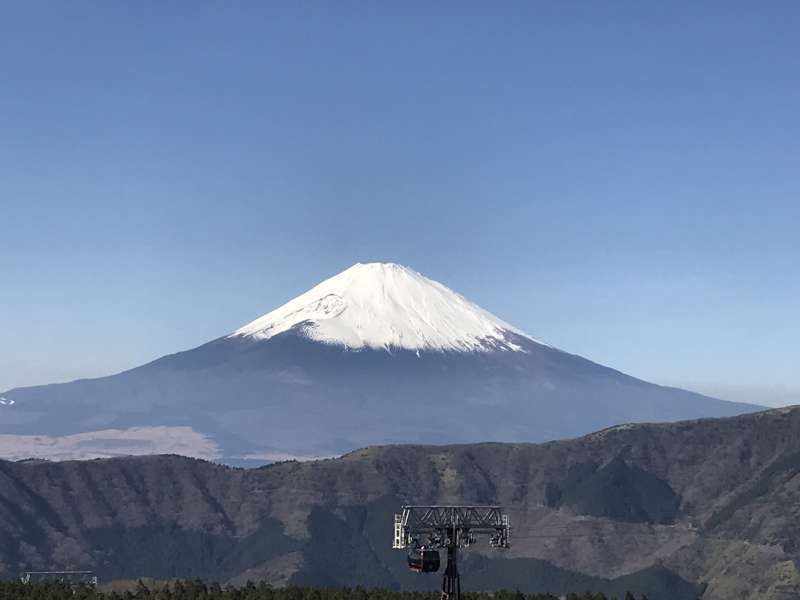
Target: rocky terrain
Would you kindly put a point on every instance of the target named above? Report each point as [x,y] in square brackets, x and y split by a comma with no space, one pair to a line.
[698,508]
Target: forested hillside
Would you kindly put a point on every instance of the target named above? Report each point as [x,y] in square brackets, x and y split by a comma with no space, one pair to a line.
[672,511]
[197,590]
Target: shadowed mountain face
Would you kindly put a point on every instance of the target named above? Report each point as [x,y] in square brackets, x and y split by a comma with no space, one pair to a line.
[675,511]
[291,395]
[376,354]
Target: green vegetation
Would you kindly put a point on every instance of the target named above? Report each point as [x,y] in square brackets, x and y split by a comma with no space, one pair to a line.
[783,469]
[198,590]
[617,491]
[164,550]
[529,574]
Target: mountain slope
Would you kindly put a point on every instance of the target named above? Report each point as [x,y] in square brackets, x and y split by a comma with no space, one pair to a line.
[674,510]
[377,354]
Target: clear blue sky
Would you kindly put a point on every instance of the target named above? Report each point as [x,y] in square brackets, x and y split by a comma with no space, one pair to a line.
[620,179]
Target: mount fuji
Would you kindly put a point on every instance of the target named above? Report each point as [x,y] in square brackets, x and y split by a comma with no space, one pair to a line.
[376,354]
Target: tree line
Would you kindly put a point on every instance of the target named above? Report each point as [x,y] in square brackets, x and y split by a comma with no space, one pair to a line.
[199,590]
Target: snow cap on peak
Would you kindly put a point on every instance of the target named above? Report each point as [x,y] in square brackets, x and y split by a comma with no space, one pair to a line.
[386,305]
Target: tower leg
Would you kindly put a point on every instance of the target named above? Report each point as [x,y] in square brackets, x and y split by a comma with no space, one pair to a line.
[451,582]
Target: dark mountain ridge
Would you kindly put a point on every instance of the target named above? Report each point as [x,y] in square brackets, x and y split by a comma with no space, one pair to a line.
[710,504]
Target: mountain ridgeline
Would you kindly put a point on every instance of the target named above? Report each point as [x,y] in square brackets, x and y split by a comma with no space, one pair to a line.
[377,354]
[675,511]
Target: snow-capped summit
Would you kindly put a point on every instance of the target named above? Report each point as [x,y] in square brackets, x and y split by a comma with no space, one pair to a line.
[389,306]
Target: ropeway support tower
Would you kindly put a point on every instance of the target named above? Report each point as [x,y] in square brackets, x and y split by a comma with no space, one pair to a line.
[423,530]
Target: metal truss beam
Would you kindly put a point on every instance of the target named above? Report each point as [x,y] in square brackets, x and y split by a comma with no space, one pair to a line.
[450,524]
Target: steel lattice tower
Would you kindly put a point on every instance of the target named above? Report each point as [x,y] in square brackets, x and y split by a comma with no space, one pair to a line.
[450,528]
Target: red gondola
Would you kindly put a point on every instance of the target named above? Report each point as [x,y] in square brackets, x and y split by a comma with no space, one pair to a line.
[423,560]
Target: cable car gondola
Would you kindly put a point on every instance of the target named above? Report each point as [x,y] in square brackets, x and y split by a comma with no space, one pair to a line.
[423,560]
